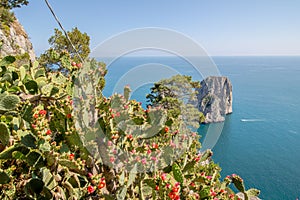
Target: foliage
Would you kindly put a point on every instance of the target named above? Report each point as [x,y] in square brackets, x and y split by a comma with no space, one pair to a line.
[60,47]
[43,156]
[39,155]
[10,4]
[6,17]
[177,94]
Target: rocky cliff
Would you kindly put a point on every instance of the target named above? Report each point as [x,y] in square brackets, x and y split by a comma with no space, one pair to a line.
[15,41]
[215,98]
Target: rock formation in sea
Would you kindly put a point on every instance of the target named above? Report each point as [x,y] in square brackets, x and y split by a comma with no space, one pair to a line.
[215,98]
[15,41]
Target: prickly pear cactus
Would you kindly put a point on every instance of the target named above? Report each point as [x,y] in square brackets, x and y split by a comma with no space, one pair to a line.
[4,178]
[177,173]
[126,156]
[8,102]
[127,92]
[4,134]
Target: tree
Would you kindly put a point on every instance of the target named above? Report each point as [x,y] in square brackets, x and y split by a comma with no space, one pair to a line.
[10,4]
[60,46]
[178,86]
[178,95]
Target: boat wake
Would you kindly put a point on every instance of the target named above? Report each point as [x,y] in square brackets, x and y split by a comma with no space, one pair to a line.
[253,120]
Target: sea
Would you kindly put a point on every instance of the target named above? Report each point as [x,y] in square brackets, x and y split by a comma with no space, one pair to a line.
[260,140]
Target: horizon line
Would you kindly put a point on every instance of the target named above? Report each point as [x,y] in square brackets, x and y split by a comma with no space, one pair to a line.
[251,55]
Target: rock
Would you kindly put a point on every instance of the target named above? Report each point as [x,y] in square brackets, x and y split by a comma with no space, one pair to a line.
[15,41]
[215,98]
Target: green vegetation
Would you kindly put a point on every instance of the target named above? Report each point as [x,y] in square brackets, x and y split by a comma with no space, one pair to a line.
[6,16]
[177,95]
[10,4]
[42,156]
[60,47]
[118,150]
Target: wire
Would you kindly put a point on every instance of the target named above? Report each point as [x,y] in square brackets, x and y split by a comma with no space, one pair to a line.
[62,28]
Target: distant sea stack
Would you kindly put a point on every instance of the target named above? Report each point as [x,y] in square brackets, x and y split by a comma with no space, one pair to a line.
[215,98]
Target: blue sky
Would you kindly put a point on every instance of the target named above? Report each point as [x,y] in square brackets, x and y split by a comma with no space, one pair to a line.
[231,27]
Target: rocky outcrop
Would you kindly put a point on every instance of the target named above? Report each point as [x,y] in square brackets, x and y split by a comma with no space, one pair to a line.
[15,41]
[215,98]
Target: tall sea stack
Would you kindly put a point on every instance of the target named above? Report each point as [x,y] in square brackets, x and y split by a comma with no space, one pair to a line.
[215,98]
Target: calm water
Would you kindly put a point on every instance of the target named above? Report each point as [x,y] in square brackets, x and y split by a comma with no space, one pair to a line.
[261,139]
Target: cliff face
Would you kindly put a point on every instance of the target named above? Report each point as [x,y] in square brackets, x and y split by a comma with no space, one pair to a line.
[215,98]
[15,41]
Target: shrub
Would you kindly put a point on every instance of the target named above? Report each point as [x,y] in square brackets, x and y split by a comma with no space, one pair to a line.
[6,17]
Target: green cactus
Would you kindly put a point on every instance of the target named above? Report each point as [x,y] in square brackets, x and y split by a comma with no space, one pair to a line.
[238,183]
[39,73]
[121,193]
[189,166]
[7,77]
[4,178]
[147,192]
[33,158]
[41,82]
[46,89]
[150,182]
[14,89]
[34,187]
[224,184]
[74,181]
[157,120]
[207,154]
[132,176]
[7,153]
[54,91]
[31,86]
[7,60]
[27,138]
[65,61]
[204,193]
[4,134]
[73,140]
[27,113]
[122,178]
[9,102]
[252,192]
[23,73]
[177,173]
[42,142]
[15,75]
[127,92]
[71,165]
[59,79]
